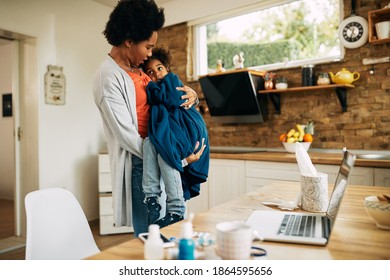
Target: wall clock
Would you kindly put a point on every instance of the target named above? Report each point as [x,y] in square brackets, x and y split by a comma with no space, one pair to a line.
[353,31]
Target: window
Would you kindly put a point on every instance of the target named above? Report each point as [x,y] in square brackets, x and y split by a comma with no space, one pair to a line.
[291,34]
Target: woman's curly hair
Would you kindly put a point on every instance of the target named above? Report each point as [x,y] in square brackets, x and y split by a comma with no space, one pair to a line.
[162,55]
[134,20]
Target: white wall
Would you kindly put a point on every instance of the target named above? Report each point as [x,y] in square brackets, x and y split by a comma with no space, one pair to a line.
[7,158]
[69,34]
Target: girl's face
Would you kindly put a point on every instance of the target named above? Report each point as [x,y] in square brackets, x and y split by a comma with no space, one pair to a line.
[139,52]
[155,70]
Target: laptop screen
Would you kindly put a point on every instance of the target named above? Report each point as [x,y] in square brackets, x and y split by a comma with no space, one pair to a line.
[341,184]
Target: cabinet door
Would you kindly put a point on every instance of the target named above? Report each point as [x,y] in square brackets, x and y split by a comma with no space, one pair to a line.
[359,176]
[199,203]
[226,180]
[260,173]
[382,177]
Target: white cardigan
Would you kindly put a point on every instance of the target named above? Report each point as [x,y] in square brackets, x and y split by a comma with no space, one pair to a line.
[114,95]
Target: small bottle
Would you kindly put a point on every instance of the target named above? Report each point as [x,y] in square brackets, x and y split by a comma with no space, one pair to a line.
[153,249]
[186,243]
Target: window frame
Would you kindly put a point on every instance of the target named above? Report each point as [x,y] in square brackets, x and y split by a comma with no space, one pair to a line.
[198,52]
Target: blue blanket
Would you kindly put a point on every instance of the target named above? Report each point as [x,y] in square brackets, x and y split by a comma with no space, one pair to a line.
[174,131]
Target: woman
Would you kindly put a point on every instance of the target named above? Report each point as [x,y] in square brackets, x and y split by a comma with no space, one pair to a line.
[120,94]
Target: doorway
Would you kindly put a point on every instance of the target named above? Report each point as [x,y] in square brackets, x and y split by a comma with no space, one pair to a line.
[25,94]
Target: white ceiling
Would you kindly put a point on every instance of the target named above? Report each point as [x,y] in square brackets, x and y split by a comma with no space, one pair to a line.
[179,11]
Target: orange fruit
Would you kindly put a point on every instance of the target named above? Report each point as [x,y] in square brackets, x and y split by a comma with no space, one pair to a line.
[307,137]
[283,137]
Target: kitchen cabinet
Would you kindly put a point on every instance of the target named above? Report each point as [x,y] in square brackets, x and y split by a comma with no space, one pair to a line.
[373,18]
[341,91]
[260,173]
[225,182]
[359,176]
[199,203]
[106,211]
[229,178]
[382,177]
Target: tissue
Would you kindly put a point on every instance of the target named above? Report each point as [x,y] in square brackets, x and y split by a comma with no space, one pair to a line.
[305,165]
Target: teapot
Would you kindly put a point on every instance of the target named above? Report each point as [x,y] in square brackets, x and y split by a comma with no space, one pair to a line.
[344,77]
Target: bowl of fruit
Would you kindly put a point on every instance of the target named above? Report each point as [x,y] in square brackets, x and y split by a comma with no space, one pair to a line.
[300,134]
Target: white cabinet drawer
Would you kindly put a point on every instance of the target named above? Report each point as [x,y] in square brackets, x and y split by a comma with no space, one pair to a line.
[105,182]
[107,226]
[105,205]
[104,163]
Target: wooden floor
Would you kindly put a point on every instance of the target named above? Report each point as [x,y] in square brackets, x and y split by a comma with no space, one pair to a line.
[7,230]
[7,219]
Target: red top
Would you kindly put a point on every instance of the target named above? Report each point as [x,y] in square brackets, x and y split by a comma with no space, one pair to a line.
[140,83]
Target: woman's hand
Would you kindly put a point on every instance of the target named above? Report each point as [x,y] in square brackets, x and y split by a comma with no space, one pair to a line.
[196,155]
[190,96]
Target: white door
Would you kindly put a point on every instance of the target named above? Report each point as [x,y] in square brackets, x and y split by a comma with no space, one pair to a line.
[26,129]
[25,111]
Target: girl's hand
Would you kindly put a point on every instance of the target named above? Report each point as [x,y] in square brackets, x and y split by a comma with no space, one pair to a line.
[196,155]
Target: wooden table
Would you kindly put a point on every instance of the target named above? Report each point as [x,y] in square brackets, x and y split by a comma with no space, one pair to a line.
[354,237]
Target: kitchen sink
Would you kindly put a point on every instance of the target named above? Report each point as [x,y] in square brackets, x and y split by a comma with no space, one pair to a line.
[374,156]
[235,150]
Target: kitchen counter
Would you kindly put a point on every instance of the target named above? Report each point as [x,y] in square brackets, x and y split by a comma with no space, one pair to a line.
[380,159]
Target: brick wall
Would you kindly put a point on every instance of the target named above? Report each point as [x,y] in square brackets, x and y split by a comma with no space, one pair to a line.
[365,124]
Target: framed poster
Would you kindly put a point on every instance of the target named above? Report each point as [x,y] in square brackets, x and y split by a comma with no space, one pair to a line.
[7,105]
[55,85]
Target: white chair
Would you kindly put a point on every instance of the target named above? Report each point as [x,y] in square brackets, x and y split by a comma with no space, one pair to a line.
[57,228]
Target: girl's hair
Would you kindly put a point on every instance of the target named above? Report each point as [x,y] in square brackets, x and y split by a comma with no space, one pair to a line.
[133,20]
[162,55]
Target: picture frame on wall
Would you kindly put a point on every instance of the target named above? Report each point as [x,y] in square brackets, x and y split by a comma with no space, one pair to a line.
[7,105]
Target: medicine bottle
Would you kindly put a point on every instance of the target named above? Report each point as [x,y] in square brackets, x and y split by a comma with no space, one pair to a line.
[153,249]
[186,243]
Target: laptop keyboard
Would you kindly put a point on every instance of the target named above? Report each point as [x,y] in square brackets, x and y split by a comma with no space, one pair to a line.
[297,225]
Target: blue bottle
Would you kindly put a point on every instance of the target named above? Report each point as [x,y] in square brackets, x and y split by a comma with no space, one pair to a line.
[186,243]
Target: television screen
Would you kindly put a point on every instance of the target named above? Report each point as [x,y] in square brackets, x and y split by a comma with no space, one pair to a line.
[232,97]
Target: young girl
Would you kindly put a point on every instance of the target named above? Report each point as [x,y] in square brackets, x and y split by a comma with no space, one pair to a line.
[173,133]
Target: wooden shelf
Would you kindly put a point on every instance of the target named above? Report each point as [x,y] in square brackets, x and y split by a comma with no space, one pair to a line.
[308,88]
[373,18]
[341,91]
[252,72]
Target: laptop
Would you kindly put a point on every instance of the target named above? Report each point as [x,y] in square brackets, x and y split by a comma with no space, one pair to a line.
[304,227]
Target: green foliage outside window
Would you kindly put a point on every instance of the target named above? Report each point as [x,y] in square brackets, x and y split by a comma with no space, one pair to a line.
[254,54]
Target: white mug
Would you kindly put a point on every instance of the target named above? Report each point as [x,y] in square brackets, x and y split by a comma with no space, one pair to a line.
[383,29]
[234,240]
